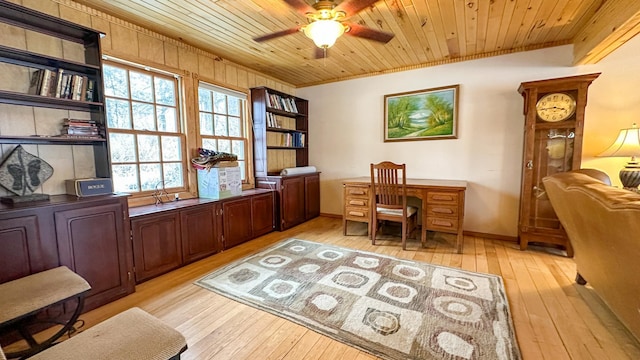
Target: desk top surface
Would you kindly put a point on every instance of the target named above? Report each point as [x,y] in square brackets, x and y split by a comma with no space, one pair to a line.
[415,182]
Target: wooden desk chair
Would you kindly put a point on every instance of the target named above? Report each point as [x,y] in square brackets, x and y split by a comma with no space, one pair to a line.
[389,199]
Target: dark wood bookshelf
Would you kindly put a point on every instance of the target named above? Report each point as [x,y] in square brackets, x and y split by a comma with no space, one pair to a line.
[90,69]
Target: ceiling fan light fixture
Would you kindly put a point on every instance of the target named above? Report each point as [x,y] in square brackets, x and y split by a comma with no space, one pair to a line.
[324,33]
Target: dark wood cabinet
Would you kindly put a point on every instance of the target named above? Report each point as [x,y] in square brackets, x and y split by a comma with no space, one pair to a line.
[312,196]
[200,237]
[297,198]
[554,111]
[88,235]
[157,247]
[236,217]
[237,214]
[174,234]
[25,246]
[93,242]
[262,214]
[292,210]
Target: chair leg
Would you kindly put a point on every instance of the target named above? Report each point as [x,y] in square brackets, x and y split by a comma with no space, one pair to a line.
[374,229]
[404,235]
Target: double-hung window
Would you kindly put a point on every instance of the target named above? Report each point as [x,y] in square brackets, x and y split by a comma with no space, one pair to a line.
[224,122]
[146,139]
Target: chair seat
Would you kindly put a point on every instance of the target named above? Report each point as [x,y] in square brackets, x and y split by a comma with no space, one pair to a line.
[397,212]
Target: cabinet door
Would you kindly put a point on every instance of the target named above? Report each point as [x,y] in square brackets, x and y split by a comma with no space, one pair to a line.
[292,202]
[312,196]
[262,214]
[156,245]
[23,251]
[92,242]
[237,222]
[199,233]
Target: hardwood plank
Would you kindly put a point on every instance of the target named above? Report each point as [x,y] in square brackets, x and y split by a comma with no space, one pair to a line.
[553,317]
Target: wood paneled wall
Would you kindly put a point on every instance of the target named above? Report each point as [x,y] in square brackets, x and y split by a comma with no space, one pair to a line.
[125,41]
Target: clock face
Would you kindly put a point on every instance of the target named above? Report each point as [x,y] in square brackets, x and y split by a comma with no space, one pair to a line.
[556,107]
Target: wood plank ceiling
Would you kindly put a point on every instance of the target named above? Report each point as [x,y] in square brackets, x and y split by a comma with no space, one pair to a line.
[427,32]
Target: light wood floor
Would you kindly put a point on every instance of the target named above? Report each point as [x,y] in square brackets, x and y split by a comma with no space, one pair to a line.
[554,317]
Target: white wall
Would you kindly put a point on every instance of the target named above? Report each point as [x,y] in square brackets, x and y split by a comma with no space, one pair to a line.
[346,126]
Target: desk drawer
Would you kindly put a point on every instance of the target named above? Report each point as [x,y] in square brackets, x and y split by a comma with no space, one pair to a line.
[356,192]
[442,224]
[357,202]
[442,210]
[356,214]
[441,197]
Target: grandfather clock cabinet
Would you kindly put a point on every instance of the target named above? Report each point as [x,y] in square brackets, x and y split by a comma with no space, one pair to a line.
[554,112]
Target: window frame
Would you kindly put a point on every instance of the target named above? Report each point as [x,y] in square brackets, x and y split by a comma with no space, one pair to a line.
[245,121]
[181,131]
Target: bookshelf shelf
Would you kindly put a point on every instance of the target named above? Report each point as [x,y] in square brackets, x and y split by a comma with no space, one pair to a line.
[49,140]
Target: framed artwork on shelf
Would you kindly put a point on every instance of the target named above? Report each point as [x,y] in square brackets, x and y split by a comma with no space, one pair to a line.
[422,115]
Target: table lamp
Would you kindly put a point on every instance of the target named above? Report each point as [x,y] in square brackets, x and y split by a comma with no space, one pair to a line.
[627,144]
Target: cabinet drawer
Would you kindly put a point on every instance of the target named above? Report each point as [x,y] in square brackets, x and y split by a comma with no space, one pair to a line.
[442,210]
[357,202]
[442,224]
[356,214]
[437,197]
[356,192]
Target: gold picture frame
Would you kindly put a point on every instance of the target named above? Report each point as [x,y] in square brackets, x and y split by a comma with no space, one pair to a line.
[427,114]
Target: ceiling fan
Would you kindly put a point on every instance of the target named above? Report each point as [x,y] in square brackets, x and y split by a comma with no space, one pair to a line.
[327,22]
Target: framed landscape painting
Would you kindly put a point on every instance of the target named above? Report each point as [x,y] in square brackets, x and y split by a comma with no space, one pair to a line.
[422,115]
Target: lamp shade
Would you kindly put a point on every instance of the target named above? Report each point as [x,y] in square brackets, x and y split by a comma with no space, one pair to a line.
[627,144]
[324,32]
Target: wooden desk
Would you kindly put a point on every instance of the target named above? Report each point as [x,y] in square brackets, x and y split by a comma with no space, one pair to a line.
[442,204]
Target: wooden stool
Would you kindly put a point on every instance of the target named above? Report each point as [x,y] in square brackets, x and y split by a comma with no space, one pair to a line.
[22,299]
[130,335]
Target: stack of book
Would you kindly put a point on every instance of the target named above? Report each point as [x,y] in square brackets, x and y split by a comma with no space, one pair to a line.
[78,128]
[281,103]
[59,84]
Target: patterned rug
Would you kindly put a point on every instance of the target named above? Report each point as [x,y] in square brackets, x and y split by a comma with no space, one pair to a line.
[388,307]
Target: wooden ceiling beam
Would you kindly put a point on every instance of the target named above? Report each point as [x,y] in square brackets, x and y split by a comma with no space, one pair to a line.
[612,25]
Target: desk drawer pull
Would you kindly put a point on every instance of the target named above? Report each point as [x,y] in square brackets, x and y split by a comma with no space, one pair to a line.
[442,223]
[357,192]
[442,210]
[357,202]
[356,213]
[443,197]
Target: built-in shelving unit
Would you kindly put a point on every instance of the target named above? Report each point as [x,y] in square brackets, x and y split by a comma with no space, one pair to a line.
[280,124]
[33,63]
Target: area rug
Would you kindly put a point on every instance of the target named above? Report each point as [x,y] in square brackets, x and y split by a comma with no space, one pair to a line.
[391,308]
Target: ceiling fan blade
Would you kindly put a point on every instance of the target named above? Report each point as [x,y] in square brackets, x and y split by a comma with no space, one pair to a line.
[276,34]
[368,33]
[352,7]
[300,6]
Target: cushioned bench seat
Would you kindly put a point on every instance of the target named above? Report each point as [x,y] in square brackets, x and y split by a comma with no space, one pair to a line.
[130,335]
[22,300]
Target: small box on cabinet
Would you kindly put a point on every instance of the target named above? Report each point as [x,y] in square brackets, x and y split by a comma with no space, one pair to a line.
[219,182]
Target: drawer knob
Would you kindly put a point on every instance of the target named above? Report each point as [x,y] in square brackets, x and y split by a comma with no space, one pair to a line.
[356,192]
[356,213]
[356,202]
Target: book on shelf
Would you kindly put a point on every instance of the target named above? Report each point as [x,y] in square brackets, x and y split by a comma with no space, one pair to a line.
[276,101]
[36,81]
[81,127]
[60,84]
